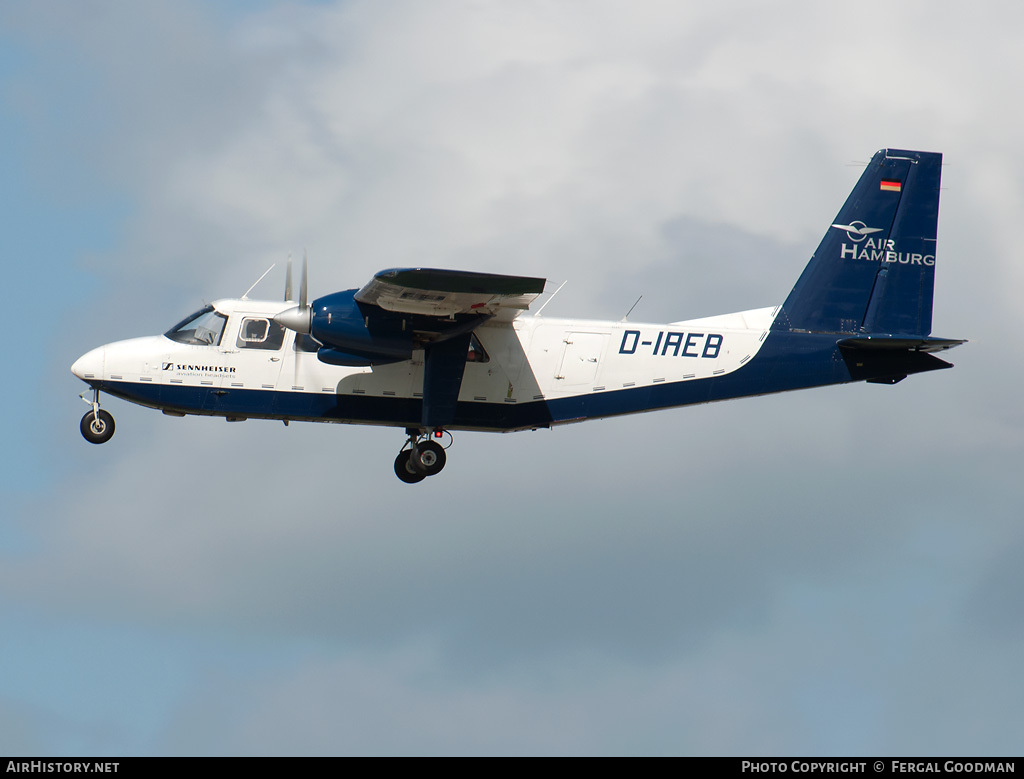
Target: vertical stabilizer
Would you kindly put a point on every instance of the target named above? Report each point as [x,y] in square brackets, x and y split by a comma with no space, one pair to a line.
[874,271]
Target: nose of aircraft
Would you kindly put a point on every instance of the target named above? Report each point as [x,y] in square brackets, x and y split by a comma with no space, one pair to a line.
[89,365]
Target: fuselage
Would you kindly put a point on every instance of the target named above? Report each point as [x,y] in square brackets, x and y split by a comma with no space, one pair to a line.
[528,373]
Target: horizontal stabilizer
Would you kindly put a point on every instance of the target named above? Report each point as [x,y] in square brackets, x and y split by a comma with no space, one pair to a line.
[901,343]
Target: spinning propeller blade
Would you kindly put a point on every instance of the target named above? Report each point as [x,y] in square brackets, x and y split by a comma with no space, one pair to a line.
[302,284]
[300,317]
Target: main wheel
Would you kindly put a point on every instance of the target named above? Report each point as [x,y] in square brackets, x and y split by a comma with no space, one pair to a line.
[404,469]
[431,458]
[97,428]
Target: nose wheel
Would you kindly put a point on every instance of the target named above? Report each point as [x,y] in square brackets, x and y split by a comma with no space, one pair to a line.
[423,457]
[97,425]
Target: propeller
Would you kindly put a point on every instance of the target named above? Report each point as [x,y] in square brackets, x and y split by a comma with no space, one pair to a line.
[299,318]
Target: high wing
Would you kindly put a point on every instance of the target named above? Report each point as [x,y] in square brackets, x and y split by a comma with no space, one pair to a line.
[403,310]
[447,293]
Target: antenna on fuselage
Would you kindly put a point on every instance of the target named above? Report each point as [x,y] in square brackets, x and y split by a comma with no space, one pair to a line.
[631,309]
[552,297]
[245,295]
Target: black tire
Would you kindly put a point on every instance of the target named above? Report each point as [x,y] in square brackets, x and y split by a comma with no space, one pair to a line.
[431,458]
[404,469]
[97,428]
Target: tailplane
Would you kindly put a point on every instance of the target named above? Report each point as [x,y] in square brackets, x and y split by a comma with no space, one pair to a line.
[874,271]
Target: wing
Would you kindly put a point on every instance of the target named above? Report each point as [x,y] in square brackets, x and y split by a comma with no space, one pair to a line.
[445,293]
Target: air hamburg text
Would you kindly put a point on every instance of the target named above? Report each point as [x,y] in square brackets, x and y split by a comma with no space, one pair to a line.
[885,251]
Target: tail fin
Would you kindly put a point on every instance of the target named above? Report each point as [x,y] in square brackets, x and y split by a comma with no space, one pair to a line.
[874,271]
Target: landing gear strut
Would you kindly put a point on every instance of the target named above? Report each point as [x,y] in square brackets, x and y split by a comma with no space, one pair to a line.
[423,457]
[97,425]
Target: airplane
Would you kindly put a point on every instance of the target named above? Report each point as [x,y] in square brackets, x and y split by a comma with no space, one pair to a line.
[435,351]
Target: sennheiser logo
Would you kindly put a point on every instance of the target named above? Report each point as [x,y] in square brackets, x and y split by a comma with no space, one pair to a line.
[171,366]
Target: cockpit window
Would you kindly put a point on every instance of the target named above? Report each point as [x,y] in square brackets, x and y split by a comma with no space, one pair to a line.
[203,328]
[260,333]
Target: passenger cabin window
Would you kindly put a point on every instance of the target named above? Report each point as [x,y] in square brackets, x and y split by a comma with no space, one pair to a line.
[203,328]
[260,333]
[476,350]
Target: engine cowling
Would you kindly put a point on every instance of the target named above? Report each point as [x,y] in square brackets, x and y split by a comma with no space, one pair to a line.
[342,325]
[360,334]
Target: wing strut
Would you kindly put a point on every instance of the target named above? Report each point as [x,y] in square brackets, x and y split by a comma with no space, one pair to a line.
[445,362]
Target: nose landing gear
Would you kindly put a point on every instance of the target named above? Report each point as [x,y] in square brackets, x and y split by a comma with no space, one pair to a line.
[97,425]
[423,458]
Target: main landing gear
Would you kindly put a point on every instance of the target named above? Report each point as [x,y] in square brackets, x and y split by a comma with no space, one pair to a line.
[424,457]
[97,425]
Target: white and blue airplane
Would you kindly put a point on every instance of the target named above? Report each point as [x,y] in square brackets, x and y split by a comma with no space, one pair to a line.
[435,351]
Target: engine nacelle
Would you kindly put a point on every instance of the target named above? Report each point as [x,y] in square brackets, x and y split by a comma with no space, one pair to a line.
[360,334]
[371,336]
[349,360]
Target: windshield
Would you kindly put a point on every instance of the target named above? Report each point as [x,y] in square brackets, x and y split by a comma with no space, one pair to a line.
[203,328]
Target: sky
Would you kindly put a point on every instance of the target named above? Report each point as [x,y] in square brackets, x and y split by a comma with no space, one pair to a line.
[829,572]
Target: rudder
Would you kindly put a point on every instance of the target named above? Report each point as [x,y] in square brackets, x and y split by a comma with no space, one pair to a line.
[874,271]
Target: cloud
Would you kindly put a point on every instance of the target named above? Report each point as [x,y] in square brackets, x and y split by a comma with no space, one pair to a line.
[765,576]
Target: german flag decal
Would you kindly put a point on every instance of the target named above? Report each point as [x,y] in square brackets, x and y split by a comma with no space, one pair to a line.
[890,186]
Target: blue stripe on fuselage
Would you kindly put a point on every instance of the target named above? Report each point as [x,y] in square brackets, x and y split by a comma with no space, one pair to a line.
[786,361]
